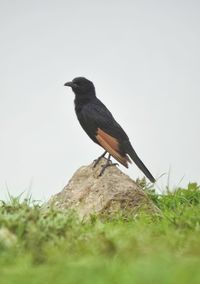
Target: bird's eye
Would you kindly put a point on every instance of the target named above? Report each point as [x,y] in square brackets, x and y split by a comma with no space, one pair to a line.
[77,84]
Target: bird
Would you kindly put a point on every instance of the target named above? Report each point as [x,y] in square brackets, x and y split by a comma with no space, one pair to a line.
[100,125]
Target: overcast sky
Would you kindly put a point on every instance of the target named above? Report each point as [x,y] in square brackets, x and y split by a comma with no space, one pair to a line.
[144,59]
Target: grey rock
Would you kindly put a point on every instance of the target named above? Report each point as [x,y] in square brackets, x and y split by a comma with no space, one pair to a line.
[114,192]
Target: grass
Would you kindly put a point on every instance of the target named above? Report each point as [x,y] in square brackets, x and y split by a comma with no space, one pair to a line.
[40,245]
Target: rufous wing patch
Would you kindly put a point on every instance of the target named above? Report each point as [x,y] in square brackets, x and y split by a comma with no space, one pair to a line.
[111,145]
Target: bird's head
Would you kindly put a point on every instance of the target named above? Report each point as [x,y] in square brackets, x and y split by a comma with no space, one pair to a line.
[81,86]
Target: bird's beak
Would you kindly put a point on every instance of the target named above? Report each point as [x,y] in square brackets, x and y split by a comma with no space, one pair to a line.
[69,84]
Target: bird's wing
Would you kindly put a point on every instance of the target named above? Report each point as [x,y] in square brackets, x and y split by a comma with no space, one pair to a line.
[101,126]
[112,145]
[97,116]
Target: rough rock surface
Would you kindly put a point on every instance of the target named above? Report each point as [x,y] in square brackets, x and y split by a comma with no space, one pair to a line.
[114,192]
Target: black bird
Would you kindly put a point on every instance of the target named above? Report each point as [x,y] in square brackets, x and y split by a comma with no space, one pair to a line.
[101,127]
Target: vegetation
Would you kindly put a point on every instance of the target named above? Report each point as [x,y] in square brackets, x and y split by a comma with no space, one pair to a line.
[40,245]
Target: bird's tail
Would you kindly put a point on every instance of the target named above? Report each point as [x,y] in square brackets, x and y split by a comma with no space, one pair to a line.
[131,152]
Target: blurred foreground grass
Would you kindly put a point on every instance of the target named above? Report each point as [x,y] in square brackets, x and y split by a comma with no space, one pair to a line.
[47,246]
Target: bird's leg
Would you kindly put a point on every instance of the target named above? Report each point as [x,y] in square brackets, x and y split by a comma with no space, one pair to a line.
[98,159]
[107,164]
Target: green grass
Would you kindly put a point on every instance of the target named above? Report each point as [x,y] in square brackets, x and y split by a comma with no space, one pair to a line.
[47,246]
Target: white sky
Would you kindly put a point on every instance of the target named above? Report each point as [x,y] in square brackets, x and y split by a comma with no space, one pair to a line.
[144,59]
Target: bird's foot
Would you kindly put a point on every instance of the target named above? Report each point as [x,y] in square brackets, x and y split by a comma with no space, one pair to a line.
[98,159]
[107,164]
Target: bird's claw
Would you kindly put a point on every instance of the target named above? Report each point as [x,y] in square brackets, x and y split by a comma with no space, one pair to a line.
[96,161]
[108,164]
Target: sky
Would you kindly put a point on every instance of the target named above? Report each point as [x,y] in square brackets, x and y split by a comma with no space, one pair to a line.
[143,57]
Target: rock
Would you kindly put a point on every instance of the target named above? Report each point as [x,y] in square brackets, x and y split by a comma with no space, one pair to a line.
[114,192]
